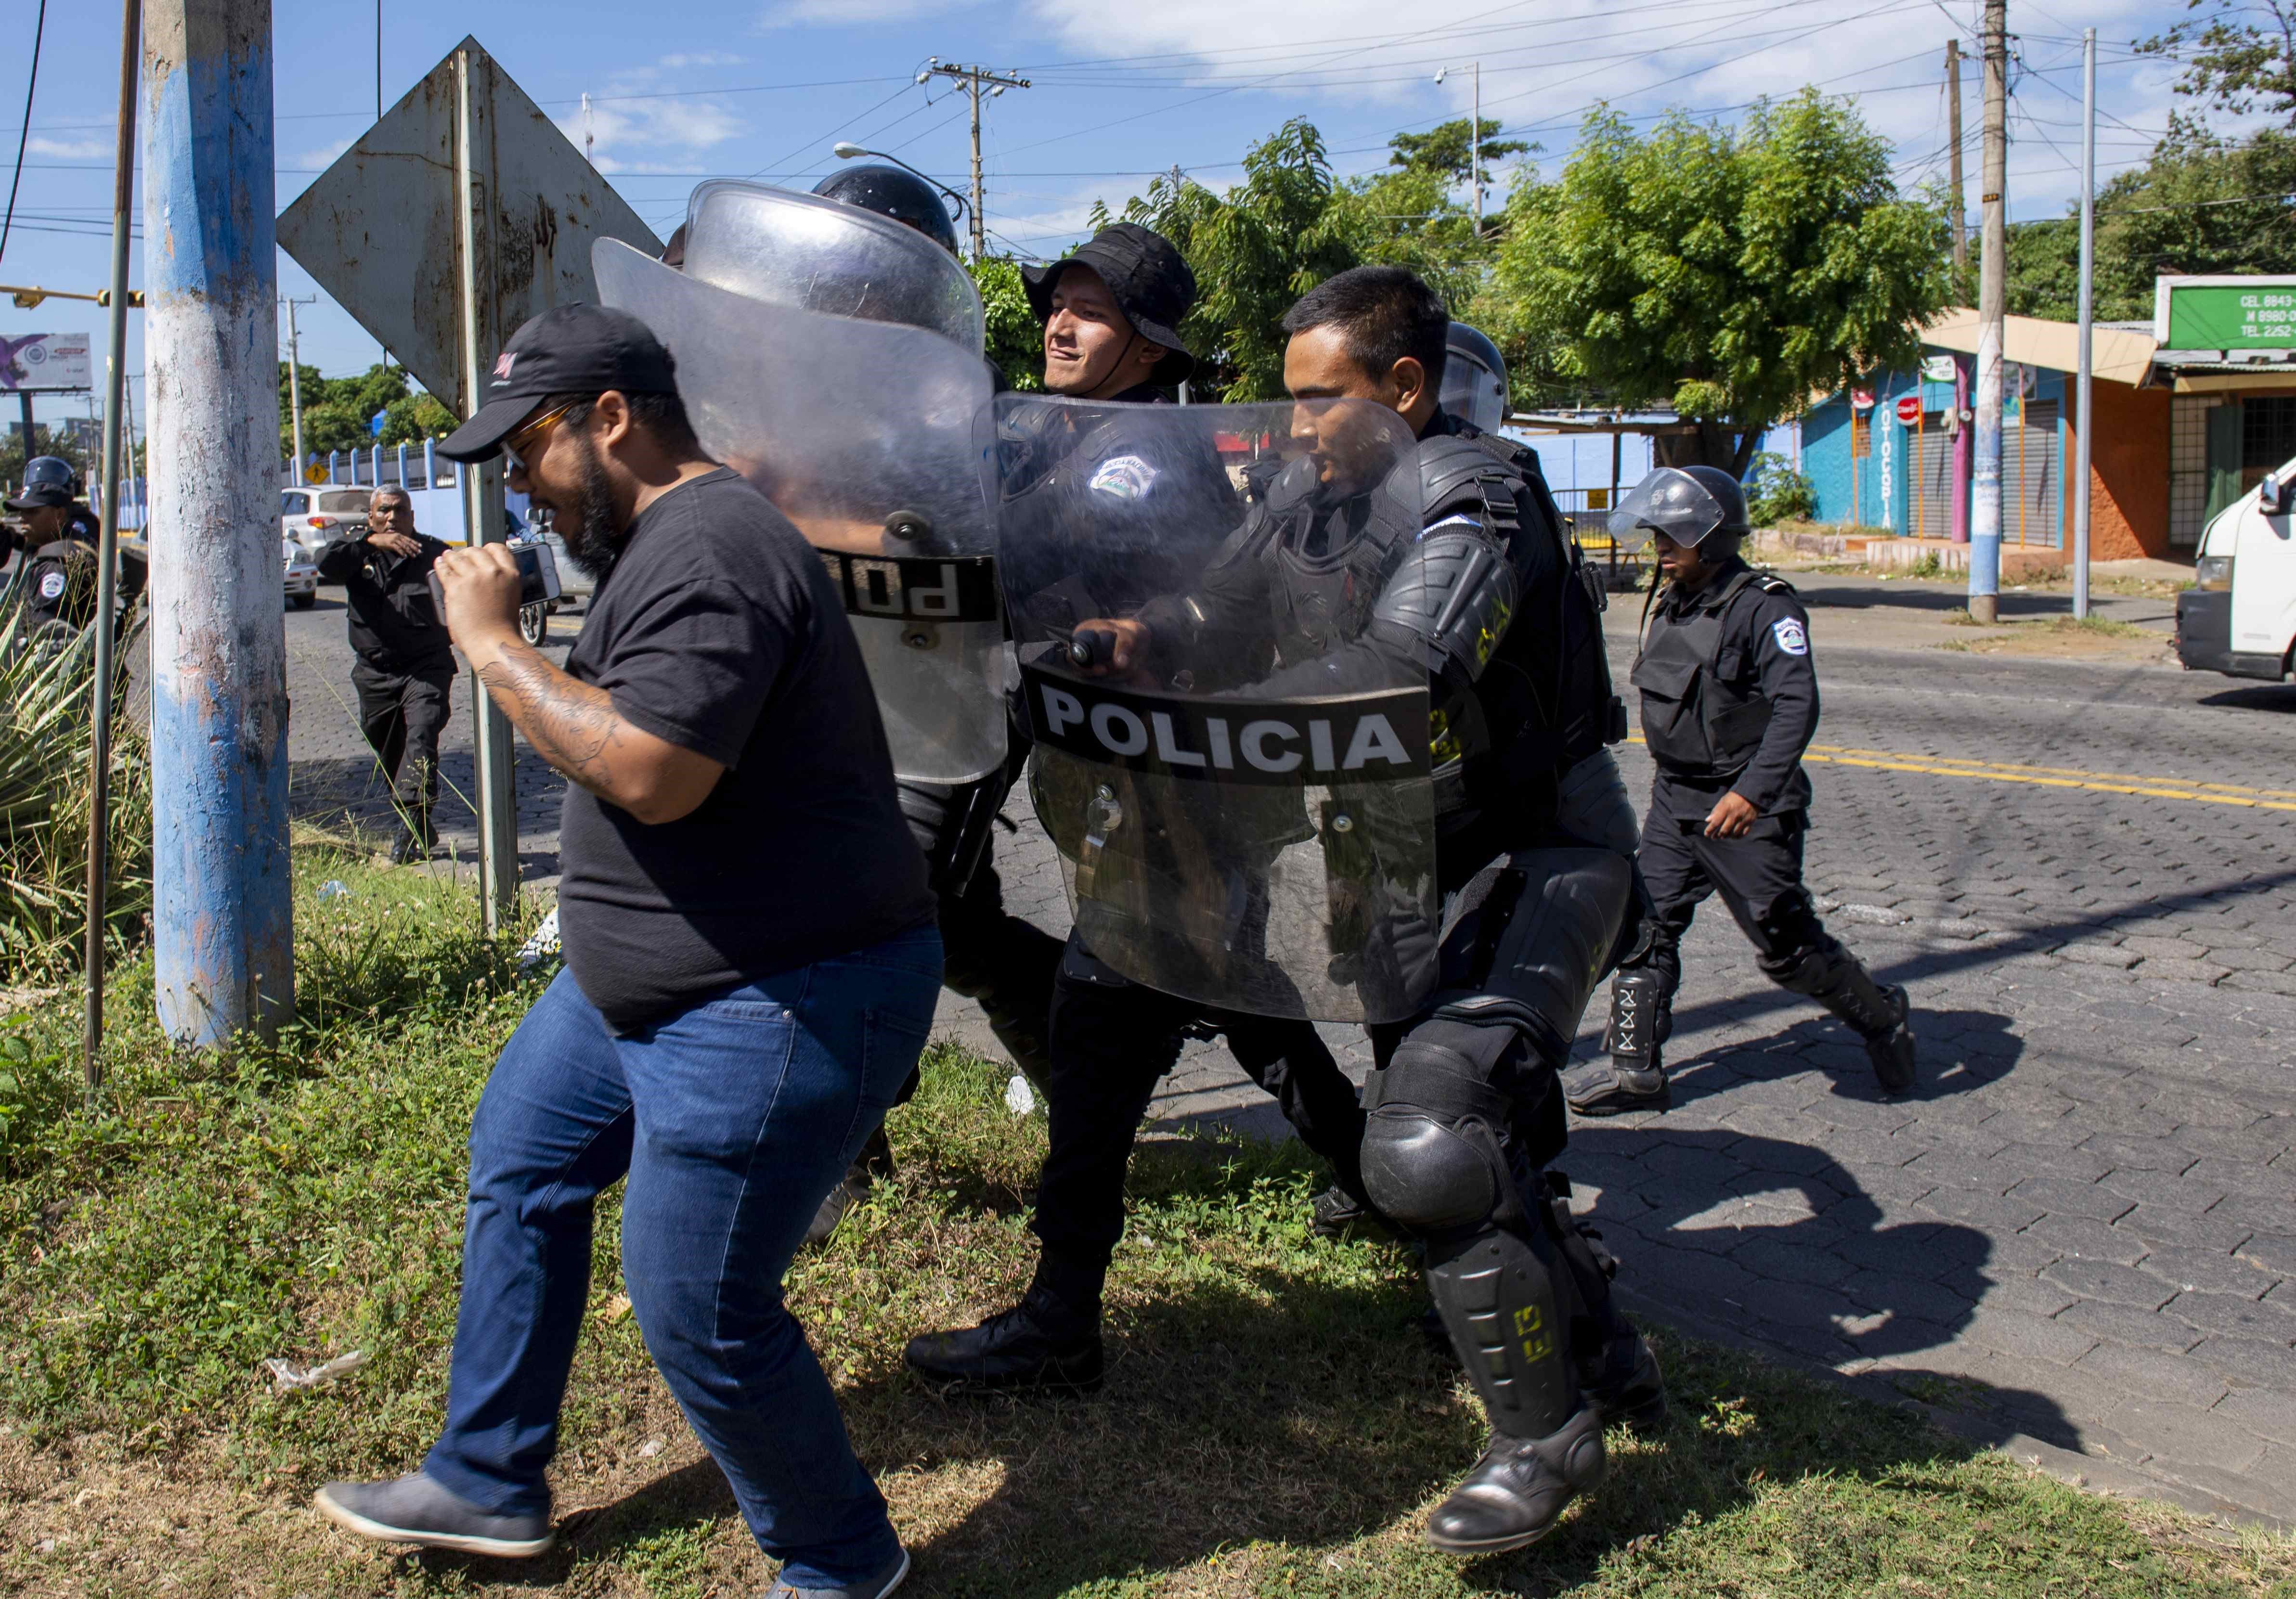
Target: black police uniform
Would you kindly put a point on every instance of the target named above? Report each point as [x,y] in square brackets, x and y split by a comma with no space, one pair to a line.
[404,670]
[1463,1109]
[60,576]
[1729,703]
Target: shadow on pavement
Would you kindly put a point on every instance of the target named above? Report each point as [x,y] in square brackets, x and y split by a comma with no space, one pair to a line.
[2261,696]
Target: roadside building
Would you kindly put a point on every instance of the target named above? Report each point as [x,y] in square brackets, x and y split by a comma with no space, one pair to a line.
[2182,430]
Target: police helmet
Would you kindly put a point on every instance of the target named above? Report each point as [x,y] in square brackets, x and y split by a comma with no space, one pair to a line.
[48,480]
[1474,379]
[1688,503]
[890,192]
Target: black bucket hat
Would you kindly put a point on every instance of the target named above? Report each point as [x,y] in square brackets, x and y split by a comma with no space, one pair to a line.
[1151,284]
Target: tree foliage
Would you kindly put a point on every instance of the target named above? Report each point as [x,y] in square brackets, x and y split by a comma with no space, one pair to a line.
[338,413]
[1016,343]
[2240,57]
[1730,273]
[1445,150]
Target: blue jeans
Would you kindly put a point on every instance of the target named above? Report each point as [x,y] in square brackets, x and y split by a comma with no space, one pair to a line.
[732,1121]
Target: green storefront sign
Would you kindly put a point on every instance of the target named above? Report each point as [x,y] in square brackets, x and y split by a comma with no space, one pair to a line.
[2225,313]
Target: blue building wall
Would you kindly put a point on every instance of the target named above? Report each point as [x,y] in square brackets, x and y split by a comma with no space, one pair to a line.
[1878,493]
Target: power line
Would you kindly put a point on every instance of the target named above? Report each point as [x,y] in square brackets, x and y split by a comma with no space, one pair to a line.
[39,29]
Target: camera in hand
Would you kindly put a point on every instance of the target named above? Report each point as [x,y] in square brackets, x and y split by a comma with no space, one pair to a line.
[537,576]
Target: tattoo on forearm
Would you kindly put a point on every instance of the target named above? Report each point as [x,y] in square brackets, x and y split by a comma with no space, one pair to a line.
[570,722]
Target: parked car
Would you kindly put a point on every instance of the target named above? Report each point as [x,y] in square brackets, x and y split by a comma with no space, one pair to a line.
[302,574]
[315,517]
[2239,616]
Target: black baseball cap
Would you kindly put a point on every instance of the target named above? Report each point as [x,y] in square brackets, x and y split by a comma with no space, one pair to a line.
[579,349]
[1146,277]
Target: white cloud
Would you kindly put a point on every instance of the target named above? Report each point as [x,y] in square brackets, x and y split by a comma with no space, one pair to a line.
[324,156]
[69,150]
[699,58]
[620,126]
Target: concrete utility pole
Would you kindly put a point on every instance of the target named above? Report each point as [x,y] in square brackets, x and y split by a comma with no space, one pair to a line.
[295,379]
[1953,134]
[1992,310]
[1474,141]
[222,939]
[973,78]
[107,570]
[2088,320]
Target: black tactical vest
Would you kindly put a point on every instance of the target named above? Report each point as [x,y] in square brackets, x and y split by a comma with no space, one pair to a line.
[1703,711]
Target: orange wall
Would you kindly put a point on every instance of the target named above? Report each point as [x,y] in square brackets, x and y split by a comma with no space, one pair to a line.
[2129,473]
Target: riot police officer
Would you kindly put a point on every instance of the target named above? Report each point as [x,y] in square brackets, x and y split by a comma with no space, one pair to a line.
[1476,596]
[60,538]
[1729,702]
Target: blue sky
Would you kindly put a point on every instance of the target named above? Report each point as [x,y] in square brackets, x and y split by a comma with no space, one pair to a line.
[763,87]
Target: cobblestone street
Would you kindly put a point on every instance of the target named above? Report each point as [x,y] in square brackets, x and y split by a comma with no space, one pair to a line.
[2080,1234]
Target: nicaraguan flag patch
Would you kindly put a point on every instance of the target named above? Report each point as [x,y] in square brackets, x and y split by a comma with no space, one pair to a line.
[1124,478]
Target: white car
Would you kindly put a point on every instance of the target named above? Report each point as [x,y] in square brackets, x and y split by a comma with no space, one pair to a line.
[315,516]
[302,574]
[2239,616]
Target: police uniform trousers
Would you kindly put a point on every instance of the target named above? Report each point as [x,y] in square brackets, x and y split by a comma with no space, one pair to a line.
[1112,1041]
[402,715]
[1758,878]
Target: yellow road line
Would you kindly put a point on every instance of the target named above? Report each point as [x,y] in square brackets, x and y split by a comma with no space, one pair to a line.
[2054,777]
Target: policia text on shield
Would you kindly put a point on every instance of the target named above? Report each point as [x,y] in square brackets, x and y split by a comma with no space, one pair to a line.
[1373,566]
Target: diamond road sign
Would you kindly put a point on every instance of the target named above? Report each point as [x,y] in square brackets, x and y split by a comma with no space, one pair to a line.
[380,229]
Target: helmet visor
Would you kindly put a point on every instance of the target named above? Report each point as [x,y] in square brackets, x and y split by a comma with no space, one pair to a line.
[1671,502]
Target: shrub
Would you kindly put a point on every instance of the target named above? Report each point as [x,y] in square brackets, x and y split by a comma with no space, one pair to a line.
[1775,492]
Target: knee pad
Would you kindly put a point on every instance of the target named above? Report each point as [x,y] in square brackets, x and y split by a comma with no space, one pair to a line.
[1432,1160]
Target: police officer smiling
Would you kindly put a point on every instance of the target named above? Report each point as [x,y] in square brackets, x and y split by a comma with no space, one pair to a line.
[1729,702]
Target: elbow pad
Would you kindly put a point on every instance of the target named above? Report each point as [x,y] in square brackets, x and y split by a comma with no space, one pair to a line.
[1453,603]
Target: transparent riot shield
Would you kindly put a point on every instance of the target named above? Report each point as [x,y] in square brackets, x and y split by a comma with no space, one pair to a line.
[861,432]
[1231,745]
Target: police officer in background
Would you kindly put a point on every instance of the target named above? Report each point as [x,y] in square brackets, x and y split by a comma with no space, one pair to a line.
[1479,596]
[59,541]
[1729,702]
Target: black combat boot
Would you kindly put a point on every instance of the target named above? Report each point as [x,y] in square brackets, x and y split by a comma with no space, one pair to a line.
[1519,1487]
[1050,1342]
[1883,1018]
[1626,1385]
[1634,1077]
[875,1161]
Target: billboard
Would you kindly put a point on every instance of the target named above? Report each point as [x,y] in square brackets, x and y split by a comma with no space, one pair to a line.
[41,361]
[2254,312]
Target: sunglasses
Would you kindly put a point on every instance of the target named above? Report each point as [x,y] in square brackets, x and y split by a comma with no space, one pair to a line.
[520,446]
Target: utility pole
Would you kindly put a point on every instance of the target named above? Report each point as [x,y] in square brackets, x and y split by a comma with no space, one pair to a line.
[1474,141]
[2088,320]
[223,934]
[295,379]
[107,575]
[1953,134]
[1992,311]
[973,78]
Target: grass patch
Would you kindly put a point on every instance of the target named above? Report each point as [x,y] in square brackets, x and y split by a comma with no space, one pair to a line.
[2101,626]
[1959,617]
[1272,1425]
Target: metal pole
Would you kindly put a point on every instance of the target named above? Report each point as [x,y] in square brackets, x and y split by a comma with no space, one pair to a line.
[1992,311]
[295,382]
[2083,415]
[1953,132]
[482,506]
[107,592]
[1475,149]
[224,936]
[980,243]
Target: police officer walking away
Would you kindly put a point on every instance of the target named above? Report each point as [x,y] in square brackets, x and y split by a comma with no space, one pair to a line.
[405,674]
[1729,702]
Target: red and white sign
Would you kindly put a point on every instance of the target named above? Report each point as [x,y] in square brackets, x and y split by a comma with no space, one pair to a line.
[1861,399]
[1909,408]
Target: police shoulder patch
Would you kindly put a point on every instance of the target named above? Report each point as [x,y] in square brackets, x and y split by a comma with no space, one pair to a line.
[1123,477]
[52,586]
[1792,637]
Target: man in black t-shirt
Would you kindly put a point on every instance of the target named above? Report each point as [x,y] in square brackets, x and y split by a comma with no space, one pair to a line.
[751,969]
[405,674]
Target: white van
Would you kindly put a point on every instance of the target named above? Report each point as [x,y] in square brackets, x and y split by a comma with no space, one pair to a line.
[2239,617]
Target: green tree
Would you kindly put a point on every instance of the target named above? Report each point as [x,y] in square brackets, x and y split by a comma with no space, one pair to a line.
[415,417]
[1731,274]
[1016,342]
[2201,204]
[2240,57]
[45,441]
[1444,150]
[1285,228]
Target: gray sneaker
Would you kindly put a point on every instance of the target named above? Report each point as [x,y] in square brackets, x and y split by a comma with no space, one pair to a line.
[416,1510]
[869,1587]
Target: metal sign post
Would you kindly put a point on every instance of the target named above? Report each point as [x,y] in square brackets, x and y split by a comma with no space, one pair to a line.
[460,214]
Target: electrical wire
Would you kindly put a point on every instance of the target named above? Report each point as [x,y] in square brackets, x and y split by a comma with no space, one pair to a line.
[39,29]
